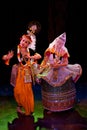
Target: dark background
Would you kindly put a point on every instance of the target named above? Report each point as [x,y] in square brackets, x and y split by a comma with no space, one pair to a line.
[55,17]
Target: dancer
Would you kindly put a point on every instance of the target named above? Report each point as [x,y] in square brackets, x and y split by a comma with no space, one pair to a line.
[56,67]
[58,77]
[24,80]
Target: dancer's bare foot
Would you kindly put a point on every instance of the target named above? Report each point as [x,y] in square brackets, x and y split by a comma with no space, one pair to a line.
[19,110]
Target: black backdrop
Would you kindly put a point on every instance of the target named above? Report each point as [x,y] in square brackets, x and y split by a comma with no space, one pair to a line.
[55,16]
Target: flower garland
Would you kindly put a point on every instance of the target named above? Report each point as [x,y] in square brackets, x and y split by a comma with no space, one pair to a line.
[18,53]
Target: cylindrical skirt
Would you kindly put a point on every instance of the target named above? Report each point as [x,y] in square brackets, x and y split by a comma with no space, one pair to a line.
[59,98]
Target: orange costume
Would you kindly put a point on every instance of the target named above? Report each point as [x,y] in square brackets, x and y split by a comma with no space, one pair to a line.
[23,92]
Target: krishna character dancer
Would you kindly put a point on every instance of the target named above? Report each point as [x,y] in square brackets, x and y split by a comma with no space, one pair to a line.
[24,80]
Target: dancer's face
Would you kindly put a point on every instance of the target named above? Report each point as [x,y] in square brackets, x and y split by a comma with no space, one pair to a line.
[24,42]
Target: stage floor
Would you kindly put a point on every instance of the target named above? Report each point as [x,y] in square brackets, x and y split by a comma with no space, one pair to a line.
[73,119]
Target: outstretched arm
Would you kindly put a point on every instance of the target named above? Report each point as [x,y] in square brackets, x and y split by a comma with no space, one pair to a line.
[7,57]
